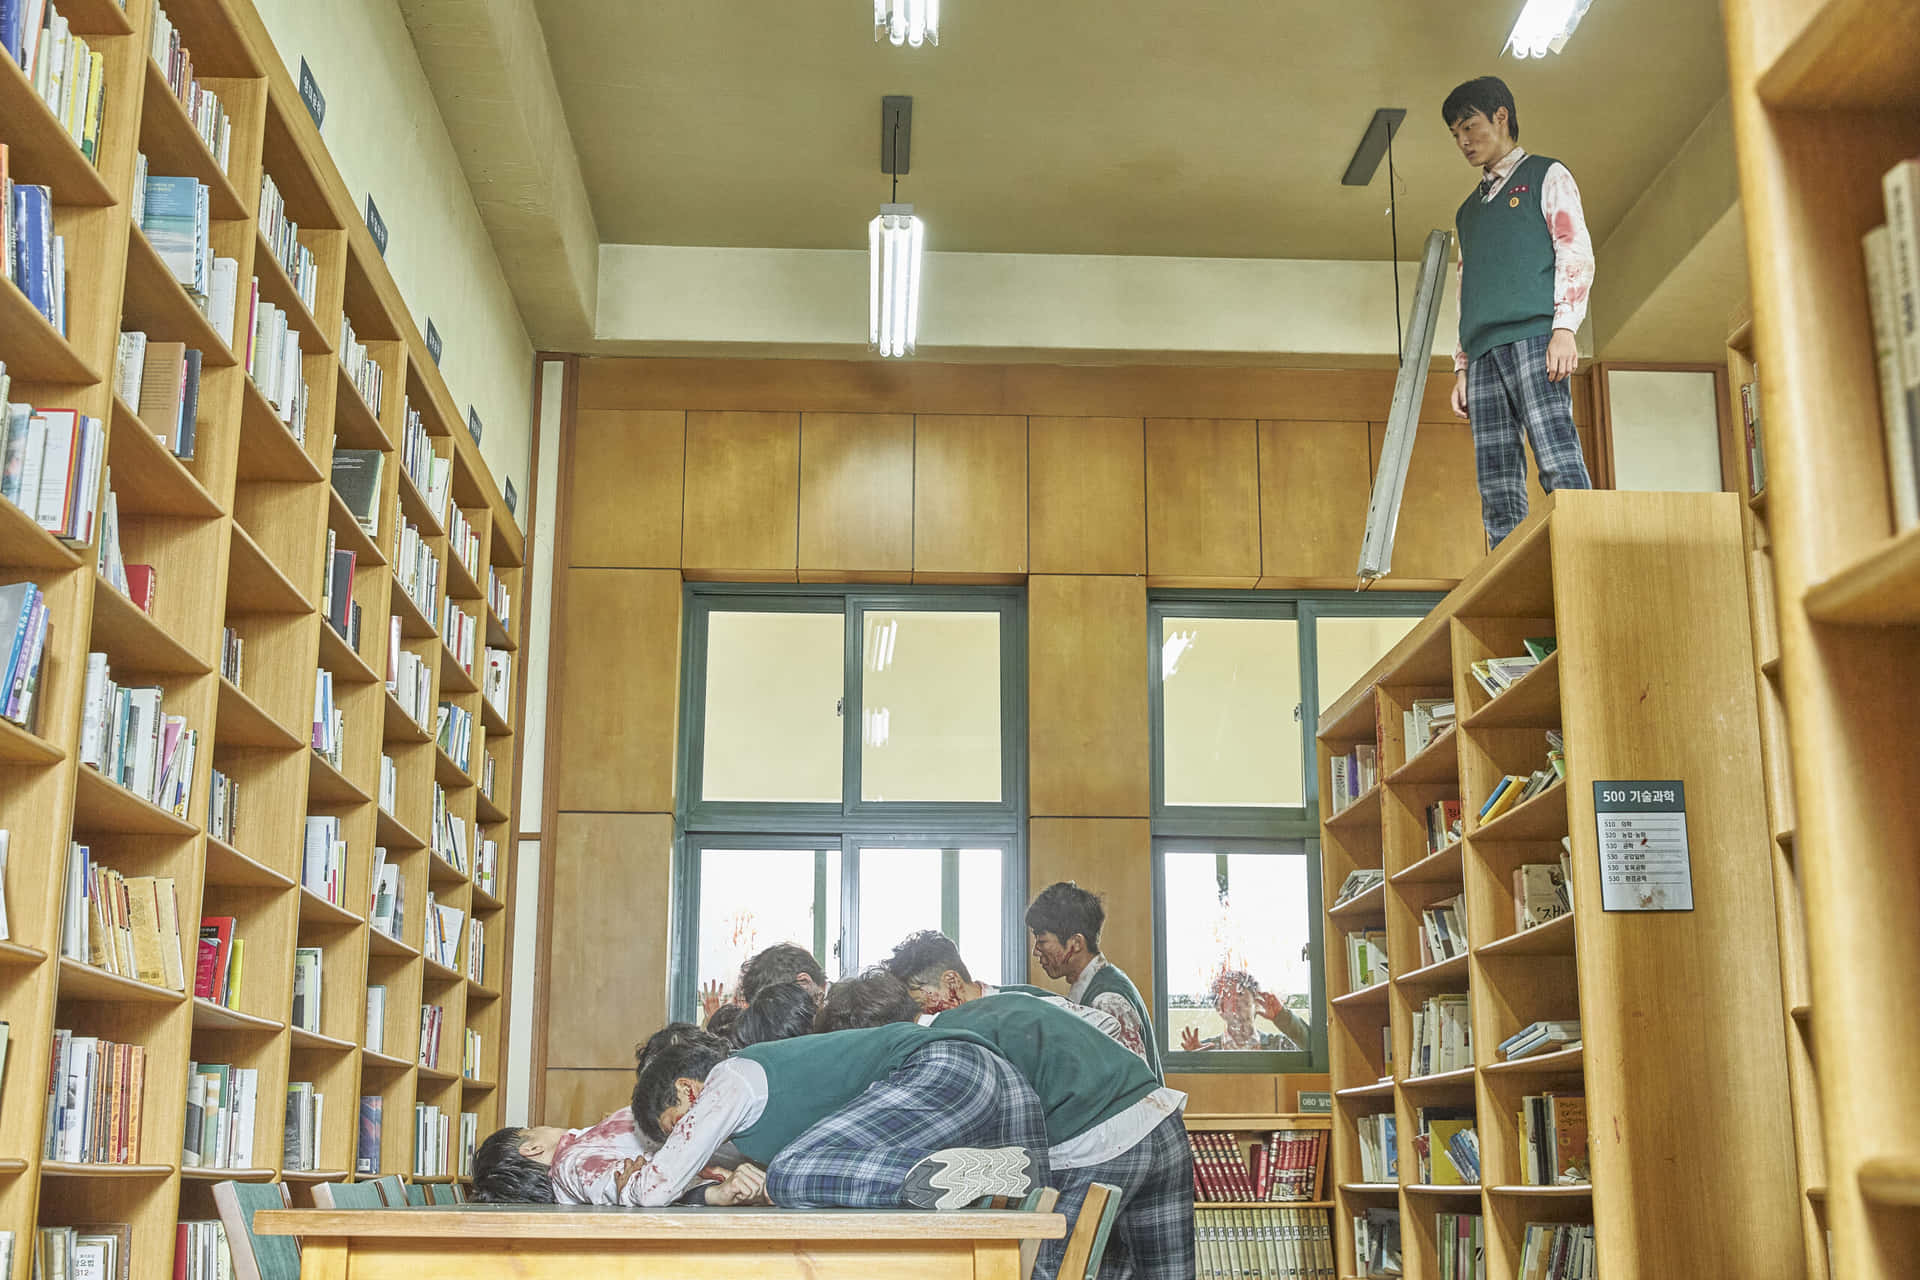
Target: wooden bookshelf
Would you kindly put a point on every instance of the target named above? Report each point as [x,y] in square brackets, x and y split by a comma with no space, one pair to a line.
[1242,1132]
[237,536]
[1684,1061]
[1845,595]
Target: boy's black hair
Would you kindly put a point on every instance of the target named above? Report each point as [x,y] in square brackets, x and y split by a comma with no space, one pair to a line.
[922,957]
[1064,909]
[782,962]
[873,999]
[654,1091]
[671,1034]
[1485,94]
[501,1175]
[781,1012]
[722,1021]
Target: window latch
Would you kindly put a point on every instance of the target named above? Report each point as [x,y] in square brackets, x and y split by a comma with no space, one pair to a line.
[839,707]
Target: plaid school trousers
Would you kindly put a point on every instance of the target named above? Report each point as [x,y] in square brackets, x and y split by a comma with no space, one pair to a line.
[949,1094]
[1508,392]
[1153,1232]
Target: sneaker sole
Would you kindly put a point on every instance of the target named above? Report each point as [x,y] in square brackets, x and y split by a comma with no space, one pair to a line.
[958,1176]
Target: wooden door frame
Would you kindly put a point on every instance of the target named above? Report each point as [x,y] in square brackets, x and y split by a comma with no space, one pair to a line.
[1602,466]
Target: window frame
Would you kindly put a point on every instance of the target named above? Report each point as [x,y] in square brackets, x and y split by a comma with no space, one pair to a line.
[701,824]
[1185,828]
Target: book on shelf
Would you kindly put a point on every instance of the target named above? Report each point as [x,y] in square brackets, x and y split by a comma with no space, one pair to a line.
[1366,959]
[66,73]
[389,784]
[1424,720]
[222,1107]
[141,580]
[343,613]
[273,361]
[1433,1147]
[306,1114]
[1263,1244]
[499,601]
[202,105]
[6,929]
[1379,1148]
[361,368]
[409,679]
[356,478]
[1282,1166]
[1558,1251]
[1553,1140]
[366,1156]
[486,777]
[233,651]
[1545,1036]
[453,729]
[431,473]
[127,926]
[463,543]
[1442,1035]
[96,1251]
[376,1038]
[216,971]
[1893,284]
[94,1100]
[307,972]
[54,460]
[388,908]
[469,1141]
[282,235]
[448,833]
[1461,1245]
[1497,675]
[429,1141]
[1443,930]
[127,736]
[160,381]
[471,1054]
[431,1018]
[476,969]
[443,932]
[176,215]
[1538,647]
[329,721]
[223,806]
[1445,824]
[415,568]
[486,865]
[323,858]
[1350,776]
[1376,1242]
[1540,894]
[37,253]
[458,630]
[1755,441]
[201,1252]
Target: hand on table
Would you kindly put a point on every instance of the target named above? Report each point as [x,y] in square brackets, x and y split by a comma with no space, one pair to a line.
[745,1185]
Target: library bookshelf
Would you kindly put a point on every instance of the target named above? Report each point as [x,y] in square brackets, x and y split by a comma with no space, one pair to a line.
[237,536]
[1826,99]
[1683,1059]
[1299,1235]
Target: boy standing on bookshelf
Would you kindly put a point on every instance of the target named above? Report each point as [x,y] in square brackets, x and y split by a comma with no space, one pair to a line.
[1525,271]
[1065,921]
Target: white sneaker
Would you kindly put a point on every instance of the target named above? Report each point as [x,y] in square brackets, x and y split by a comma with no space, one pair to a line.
[959,1176]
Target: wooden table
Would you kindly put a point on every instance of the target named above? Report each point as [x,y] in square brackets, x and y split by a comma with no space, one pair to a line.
[553,1242]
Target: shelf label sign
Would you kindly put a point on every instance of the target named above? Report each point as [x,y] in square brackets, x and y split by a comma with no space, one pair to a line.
[509,495]
[1644,863]
[310,95]
[1316,1103]
[377,225]
[433,341]
[474,427]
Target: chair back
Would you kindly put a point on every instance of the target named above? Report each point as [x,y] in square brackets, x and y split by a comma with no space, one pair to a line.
[348,1195]
[1087,1242]
[1039,1200]
[416,1193]
[392,1191]
[256,1257]
[444,1193]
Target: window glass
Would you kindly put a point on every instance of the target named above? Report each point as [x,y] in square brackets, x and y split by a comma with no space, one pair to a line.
[930,714]
[899,894]
[1230,700]
[1346,649]
[982,914]
[1239,969]
[774,685]
[751,899]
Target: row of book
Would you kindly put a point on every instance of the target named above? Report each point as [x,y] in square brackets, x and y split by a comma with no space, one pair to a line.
[388,910]
[1424,720]
[273,360]
[471,1057]
[233,647]
[98,1251]
[202,104]
[36,253]
[200,1251]
[1545,1036]
[51,466]
[25,626]
[134,581]
[218,961]
[1442,1035]
[323,858]
[1376,1243]
[222,1105]
[1553,1140]
[431,473]
[1516,789]
[1558,1251]
[1353,775]
[476,950]
[160,381]
[431,1134]
[126,926]
[356,476]
[1366,959]
[1444,824]
[175,212]
[498,598]
[1263,1244]
[336,592]
[66,73]
[282,235]
[1446,1147]
[463,543]
[306,1116]
[1360,880]
[376,1037]
[460,631]
[223,807]
[362,370]
[486,863]
[1543,891]
[1379,1147]
[409,678]
[1460,1246]
[1893,291]
[1497,675]
[1443,930]
[94,1107]
[1283,1166]
[453,730]
[447,837]
[329,735]
[127,735]
[415,567]
[389,784]
[442,944]
[496,682]
[308,966]
[1750,424]
[432,1018]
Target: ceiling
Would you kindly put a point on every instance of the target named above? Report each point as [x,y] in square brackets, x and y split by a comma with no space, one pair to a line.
[1184,128]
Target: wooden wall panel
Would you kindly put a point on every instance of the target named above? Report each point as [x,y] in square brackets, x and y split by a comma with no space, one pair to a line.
[624,488]
[743,496]
[856,496]
[1315,481]
[1203,502]
[617,678]
[1087,714]
[1112,857]
[575,1099]
[607,976]
[969,496]
[1086,495]
[1440,534]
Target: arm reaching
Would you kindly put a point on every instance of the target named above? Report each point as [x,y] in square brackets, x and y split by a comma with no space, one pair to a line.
[723,1109]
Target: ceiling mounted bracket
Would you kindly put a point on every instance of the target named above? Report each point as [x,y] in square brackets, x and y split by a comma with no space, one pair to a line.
[896,133]
[1373,145]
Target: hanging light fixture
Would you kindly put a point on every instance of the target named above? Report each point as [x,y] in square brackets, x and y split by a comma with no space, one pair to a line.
[895,242]
[1544,27]
[909,22]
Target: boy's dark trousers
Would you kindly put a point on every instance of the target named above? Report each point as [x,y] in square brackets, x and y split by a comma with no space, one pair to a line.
[1507,393]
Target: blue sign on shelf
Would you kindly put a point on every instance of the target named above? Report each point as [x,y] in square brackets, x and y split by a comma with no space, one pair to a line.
[377,225]
[311,95]
[433,341]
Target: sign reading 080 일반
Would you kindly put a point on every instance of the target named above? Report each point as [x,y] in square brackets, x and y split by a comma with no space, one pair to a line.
[1644,863]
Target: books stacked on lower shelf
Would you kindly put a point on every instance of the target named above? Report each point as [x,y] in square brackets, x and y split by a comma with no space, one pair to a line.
[1558,1251]
[1461,1243]
[329,736]
[1376,1242]
[1542,891]
[67,74]
[429,1141]
[1379,1149]
[366,1155]
[1366,959]
[223,806]
[1540,1037]
[1553,1140]
[1424,720]
[388,909]
[1893,292]
[222,1105]
[306,1112]
[210,120]
[217,968]
[1497,675]
[469,1141]
[1442,1036]
[307,972]
[1516,789]
[200,1251]
[1351,775]
[431,1017]
[460,630]
[443,932]
[453,730]
[409,679]
[98,1250]
[1443,930]
[127,926]
[1360,880]
[323,859]
[54,460]
[1444,824]
[160,381]
[1447,1147]
[127,736]
[497,680]
[1263,1244]
[95,1095]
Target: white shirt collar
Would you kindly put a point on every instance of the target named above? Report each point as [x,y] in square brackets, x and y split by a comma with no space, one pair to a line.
[1078,990]
[1503,169]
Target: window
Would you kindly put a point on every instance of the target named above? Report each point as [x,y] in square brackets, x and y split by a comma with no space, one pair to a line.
[843,831]
[1238,683]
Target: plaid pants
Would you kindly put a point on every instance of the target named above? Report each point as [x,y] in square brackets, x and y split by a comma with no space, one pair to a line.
[1153,1232]
[1507,392]
[948,1094]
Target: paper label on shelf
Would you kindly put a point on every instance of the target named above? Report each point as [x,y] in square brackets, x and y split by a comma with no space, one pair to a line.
[1316,1103]
[1644,863]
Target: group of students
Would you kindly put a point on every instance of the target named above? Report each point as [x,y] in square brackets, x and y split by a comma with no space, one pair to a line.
[911,1085]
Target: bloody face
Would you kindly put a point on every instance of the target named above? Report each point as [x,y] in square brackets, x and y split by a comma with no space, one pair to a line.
[1053,956]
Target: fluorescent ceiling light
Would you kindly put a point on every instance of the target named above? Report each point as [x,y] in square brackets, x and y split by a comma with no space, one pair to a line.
[1544,26]
[895,241]
[909,22]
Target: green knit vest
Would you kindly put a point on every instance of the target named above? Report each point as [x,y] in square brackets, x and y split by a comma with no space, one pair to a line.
[1111,981]
[1506,252]
[1081,1076]
[811,1077]
[1024,989]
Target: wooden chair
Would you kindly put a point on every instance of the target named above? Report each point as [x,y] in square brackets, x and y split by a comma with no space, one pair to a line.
[348,1195]
[392,1190]
[417,1193]
[1087,1242]
[256,1257]
[444,1193]
[1039,1200]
